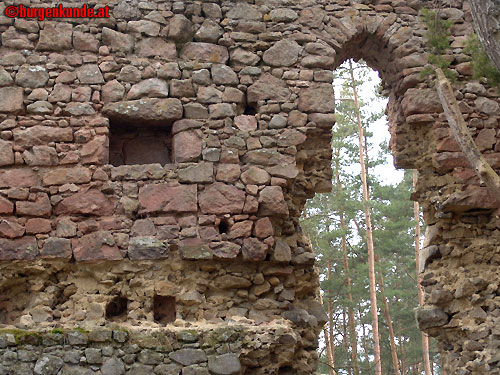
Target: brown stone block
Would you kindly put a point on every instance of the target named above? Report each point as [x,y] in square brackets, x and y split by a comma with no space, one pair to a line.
[86,202]
[24,248]
[95,246]
[159,198]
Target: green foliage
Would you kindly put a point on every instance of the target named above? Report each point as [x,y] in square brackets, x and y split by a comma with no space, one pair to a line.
[481,65]
[438,42]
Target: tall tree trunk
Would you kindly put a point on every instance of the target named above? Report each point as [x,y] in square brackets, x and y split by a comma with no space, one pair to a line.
[387,316]
[330,323]
[369,237]
[331,364]
[485,14]
[403,351]
[425,338]
[346,340]
[350,310]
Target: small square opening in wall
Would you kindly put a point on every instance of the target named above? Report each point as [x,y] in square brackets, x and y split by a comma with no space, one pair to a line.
[131,144]
[164,309]
[116,309]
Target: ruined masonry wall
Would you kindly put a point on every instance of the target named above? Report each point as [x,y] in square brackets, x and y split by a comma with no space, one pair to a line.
[153,167]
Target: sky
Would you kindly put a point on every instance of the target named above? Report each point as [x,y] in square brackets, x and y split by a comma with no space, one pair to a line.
[386,173]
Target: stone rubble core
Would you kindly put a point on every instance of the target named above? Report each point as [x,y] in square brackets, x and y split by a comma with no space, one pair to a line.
[154,165]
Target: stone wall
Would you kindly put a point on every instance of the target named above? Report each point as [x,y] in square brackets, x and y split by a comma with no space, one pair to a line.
[154,164]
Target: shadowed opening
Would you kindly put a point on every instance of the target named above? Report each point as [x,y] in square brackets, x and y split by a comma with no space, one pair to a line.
[164,309]
[129,144]
[117,308]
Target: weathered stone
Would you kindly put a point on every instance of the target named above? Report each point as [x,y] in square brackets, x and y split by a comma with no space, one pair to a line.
[199,173]
[272,202]
[283,53]
[478,198]
[187,357]
[85,202]
[145,110]
[240,229]
[291,137]
[6,153]
[145,27]
[37,225]
[209,32]
[149,47]
[194,249]
[485,139]
[186,146]
[253,250]
[89,74]
[244,12]
[11,100]
[486,105]
[146,248]
[225,364]
[85,42]
[157,198]
[240,56]
[5,78]
[430,317]
[40,155]
[225,250]
[48,365]
[263,228]
[117,41]
[228,172]
[113,366]
[421,101]
[79,109]
[19,178]
[6,206]
[268,87]
[204,52]
[317,98]
[32,76]
[180,29]
[224,75]
[283,15]
[24,248]
[11,229]
[282,251]
[232,282]
[55,36]
[56,248]
[255,176]
[138,172]
[60,176]
[151,88]
[220,198]
[95,246]
[112,91]
[182,88]
[246,123]
[39,207]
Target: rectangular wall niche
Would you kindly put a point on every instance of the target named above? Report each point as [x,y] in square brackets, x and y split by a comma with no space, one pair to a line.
[139,144]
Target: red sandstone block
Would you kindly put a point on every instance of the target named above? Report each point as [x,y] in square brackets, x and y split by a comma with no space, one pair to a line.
[37,225]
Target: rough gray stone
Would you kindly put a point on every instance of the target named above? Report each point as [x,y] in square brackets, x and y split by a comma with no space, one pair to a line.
[89,74]
[32,76]
[205,52]
[151,88]
[224,75]
[11,100]
[283,53]
[55,36]
[430,317]
[226,364]
[113,366]
[48,365]
[187,357]
[145,110]
[117,41]
[146,248]
[180,29]
[209,32]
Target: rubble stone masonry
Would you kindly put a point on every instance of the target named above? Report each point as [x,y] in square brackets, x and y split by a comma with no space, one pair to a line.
[154,166]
